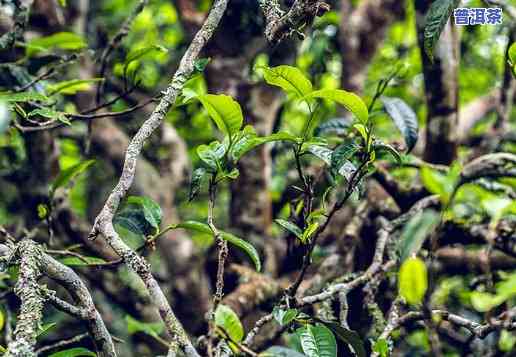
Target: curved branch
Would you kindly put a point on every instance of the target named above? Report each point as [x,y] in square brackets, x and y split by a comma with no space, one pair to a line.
[104,221]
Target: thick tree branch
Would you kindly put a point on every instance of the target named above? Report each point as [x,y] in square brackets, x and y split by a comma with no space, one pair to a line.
[104,221]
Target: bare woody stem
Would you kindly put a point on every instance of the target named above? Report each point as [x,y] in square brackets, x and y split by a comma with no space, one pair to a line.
[104,221]
[31,310]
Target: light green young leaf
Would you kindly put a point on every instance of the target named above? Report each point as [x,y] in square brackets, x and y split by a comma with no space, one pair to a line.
[23,97]
[291,227]
[439,183]
[229,321]
[62,40]
[74,352]
[484,302]
[69,174]
[309,232]
[73,86]
[212,154]
[317,341]
[404,118]
[50,114]
[153,329]
[436,18]
[250,140]
[288,78]
[381,346]
[413,280]
[415,232]
[512,54]
[139,53]
[236,241]
[85,261]
[352,102]
[225,112]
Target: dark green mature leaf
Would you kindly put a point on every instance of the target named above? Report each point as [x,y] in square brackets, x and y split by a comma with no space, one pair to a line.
[416,231]
[23,97]
[317,341]
[352,102]
[212,154]
[379,146]
[348,336]
[250,140]
[413,280]
[229,321]
[196,182]
[404,118]
[236,241]
[153,329]
[62,40]
[291,227]
[5,118]
[321,152]
[337,126]
[279,351]
[74,352]
[140,215]
[284,317]
[224,110]
[342,154]
[73,86]
[288,78]
[435,20]
[69,174]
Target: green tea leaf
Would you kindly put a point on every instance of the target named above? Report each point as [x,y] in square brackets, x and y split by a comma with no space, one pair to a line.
[140,215]
[228,320]
[250,140]
[85,261]
[352,102]
[62,40]
[413,280]
[284,317]
[224,110]
[435,20]
[317,341]
[212,154]
[73,86]
[23,97]
[381,347]
[336,126]
[139,53]
[415,232]
[69,174]
[347,336]
[236,241]
[196,181]
[291,227]
[288,78]
[74,352]
[280,351]
[5,117]
[153,329]
[379,146]
[404,118]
